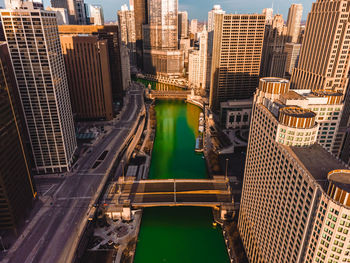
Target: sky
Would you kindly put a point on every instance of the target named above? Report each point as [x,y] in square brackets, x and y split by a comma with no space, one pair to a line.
[199,8]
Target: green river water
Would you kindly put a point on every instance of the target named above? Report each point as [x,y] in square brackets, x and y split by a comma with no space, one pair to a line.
[178,234]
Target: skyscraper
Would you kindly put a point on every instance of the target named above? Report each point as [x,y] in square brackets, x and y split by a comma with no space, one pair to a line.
[211,25]
[36,54]
[119,72]
[160,46]
[343,135]
[294,205]
[89,78]
[324,57]
[96,15]
[273,56]
[198,62]
[140,8]
[194,26]
[211,16]
[126,22]
[61,15]
[16,187]
[268,12]
[182,24]
[238,42]
[293,22]
[75,8]
[292,51]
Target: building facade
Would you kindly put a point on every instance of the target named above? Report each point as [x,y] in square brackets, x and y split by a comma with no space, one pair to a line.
[16,187]
[343,136]
[96,15]
[292,51]
[236,114]
[324,57]
[140,8]
[89,77]
[61,15]
[238,43]
[36,55]
[293,22]
[273,57]
[182,24]
[291,209]
[126,22]
[161,55]
[268,12]
[75,8]
[116,65]
[194,26]
[197,65]
[211,25]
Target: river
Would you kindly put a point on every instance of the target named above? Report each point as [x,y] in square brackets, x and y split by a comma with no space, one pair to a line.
[178,234]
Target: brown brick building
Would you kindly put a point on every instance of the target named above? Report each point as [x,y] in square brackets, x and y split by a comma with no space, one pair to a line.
[111,34]
[89,78]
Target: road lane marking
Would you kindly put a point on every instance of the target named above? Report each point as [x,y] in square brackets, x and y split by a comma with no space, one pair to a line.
[49,189]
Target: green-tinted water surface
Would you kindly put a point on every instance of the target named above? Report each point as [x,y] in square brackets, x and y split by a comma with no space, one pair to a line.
[178,234]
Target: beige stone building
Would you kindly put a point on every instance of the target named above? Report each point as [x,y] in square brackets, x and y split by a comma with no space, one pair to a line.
[292,51]
[295,204]
[324,59]
[293,22]
[126,22]
[237,48]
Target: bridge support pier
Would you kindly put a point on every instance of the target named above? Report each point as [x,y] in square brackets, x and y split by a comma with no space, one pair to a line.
[227,211]
[126,213]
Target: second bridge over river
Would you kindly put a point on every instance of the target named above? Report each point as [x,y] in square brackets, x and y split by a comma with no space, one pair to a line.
[131,194]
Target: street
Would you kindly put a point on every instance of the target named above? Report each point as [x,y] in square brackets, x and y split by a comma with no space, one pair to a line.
[50,235]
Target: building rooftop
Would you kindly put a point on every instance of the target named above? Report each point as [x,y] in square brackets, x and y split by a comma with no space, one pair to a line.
[298,112]
[272,79]
[341,179]
[318,162]
[292,95]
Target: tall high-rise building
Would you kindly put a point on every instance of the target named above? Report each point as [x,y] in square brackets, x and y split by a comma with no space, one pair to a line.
[140,8]
[211,16]
[182,24]
[194,26]
[120,72]
[211,24]
[75,8]
[294,205]
[89,78]
[96,15]
[36,55]
[16,187]
[324,58]
[160,45]
[126,22]
[292,51]
[293,22]
[343,135]
[61,15]
[268,12]
[197,64]
[235,70]
[273,57]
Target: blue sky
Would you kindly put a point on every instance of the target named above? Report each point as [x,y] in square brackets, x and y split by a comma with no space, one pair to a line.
[199,8]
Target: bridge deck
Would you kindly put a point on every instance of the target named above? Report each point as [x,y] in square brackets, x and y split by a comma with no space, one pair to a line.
[175,192]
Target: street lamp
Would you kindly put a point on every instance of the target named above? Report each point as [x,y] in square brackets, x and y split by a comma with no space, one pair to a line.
[226,168]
